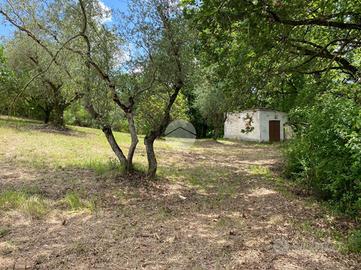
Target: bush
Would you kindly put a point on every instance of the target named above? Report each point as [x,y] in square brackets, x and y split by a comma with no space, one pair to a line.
[354,241]
[325,154]
[77,115]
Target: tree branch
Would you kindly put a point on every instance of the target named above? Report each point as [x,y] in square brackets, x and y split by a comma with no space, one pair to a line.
[324,21]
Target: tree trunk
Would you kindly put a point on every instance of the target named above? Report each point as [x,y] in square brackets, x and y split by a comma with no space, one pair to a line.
[58,103]
[58,116]
[115,147]
[47,115]
[152,160]
[134,140]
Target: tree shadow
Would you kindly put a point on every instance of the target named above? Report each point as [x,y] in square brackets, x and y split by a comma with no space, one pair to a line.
[25,125]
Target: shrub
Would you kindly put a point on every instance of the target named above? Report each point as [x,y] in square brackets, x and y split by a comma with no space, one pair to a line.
[354,241]
[325,154]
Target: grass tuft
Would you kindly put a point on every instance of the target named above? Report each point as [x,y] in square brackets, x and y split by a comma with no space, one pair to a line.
[260,170]
[75,203]
[112,166]
[32,205]
[12,199]
[35,207]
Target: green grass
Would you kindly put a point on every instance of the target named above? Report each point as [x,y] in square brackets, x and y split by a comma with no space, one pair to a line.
[80,147]
[73,201]
[35,206]
[260,170]
[105,168]
[307,226]
[354,241]
[34,147]
[32,205]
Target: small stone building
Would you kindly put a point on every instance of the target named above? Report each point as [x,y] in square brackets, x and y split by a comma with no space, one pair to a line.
[260,125]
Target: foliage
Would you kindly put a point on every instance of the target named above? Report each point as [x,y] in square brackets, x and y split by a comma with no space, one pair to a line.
[46,89]
[76,115]
[354,241]
[9,82]
[149,111]
[296,36]
[272,53]
[325,154]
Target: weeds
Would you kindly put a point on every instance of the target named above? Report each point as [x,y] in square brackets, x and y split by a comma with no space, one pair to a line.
[260,170]
[354,242]
[102,168]
[75,203]
[25,202]
[35,207]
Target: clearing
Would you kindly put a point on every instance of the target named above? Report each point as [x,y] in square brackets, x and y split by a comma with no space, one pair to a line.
[216,205]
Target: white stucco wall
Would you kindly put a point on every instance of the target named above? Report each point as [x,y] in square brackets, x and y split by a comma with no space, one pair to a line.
[265,117]
[235,122]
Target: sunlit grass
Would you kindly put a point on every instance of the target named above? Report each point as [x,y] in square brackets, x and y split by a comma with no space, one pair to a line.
[75,203]
[260,170]
[80,147]
[104,167]
[32,205]
[30,145]
[36,206]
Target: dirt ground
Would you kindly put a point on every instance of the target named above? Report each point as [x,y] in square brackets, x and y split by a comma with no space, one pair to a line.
[215,206]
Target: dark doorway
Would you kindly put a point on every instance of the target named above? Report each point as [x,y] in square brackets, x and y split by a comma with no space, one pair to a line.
[274,131]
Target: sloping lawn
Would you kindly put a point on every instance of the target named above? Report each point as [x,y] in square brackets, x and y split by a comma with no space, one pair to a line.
[65,204]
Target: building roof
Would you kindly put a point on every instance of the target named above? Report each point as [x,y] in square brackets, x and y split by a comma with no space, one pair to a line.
[259,109]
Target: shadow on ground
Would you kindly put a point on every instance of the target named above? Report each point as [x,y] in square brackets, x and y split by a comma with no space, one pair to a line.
[214,206]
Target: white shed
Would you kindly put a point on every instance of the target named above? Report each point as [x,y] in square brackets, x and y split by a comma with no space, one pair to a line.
[260,125]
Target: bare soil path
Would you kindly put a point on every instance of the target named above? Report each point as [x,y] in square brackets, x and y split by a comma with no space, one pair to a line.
[214,206]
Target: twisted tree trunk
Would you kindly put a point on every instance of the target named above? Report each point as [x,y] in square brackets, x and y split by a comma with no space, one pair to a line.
[107,130]
[152,160]
[134,140]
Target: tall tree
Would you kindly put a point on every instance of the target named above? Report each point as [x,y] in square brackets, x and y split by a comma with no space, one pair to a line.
[51,91]
[267,49]
[81,33]
[163,40]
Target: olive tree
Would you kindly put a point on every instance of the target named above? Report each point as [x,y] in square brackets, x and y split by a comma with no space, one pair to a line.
[162,40]
[159,27]
[52,91]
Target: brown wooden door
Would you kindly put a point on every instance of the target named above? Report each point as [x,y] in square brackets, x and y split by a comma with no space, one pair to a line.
[274,131]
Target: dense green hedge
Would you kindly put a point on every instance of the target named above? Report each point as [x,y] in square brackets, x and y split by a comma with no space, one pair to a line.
[325,154]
